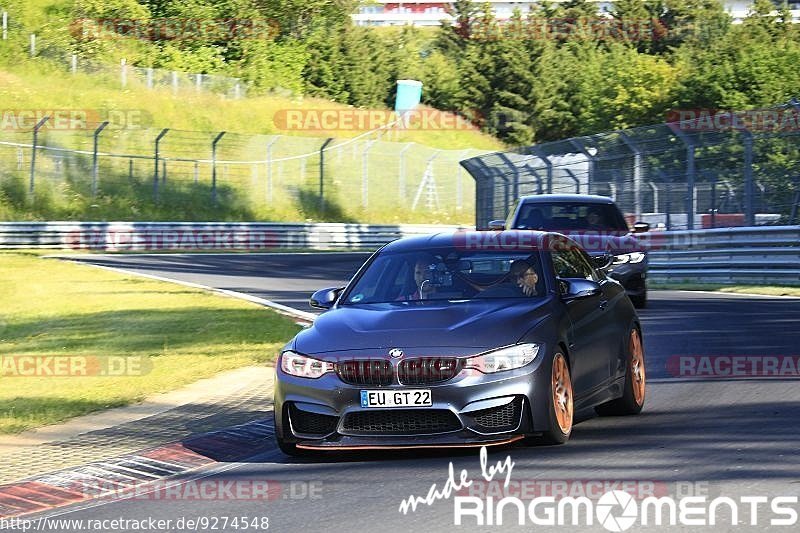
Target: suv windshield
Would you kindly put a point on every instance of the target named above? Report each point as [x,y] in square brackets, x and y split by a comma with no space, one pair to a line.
[448,274]
[569,216]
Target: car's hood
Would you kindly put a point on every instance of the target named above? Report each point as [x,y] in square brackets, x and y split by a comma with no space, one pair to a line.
[476,324]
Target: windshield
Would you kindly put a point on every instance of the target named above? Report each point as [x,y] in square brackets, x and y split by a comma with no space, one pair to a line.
[570,216]
[448,274]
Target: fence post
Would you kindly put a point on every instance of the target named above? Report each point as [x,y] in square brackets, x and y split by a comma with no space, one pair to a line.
[155,159]
[149,77]
[198,82]
[327,143]
[5,26]
[174,82]
[547,163]
[402,172]
[637,172]
[214,166]
[123,72]
[94,156]
[269,168]
[33,45]
[74,63]
[33,151]
[750,215]
[690,174]
[591,159]
[365,174]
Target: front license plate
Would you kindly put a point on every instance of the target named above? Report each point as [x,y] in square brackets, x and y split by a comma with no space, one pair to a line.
[396,398]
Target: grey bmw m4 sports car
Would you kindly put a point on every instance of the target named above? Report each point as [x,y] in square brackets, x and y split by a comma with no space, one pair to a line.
[466,338]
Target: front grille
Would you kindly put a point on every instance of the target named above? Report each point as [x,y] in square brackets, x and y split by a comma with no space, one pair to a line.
[366,372]
[312,423]
[401,422]
[427,370]
[505,417]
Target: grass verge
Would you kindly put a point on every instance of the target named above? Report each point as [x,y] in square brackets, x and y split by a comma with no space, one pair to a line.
[174,335]
[768,290]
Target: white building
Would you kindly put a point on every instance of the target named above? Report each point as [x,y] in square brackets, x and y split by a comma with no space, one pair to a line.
[428,13]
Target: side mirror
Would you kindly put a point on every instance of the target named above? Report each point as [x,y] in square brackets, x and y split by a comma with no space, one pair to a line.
[577,288]
[641,227]
[325,298]
[602,262]
[498,225]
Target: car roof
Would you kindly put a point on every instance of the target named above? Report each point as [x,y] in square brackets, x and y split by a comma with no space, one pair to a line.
[578,198]
[447,239]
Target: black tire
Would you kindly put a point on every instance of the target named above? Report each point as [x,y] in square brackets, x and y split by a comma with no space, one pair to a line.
[633,395]
[640,301]
[554,434]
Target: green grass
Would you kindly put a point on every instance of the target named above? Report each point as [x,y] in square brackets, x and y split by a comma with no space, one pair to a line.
[769,290]
[63,188]
[54,308]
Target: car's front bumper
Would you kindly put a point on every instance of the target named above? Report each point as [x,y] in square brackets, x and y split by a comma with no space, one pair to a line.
[633,277]
[468,401]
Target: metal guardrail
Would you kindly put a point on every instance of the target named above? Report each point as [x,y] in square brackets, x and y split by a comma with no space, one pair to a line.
[195,236]
[762,255]
[730,255]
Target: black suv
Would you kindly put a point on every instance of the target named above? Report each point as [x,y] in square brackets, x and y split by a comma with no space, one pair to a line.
[597,224]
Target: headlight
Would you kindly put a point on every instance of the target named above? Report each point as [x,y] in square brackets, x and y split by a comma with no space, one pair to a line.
[508,358]
[302,366]
[633,258]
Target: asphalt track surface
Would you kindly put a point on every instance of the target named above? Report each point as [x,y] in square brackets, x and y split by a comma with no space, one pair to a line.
[701,437]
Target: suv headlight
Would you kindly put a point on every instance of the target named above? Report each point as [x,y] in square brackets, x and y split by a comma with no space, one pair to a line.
[507,358]
[631,258]
[303,366]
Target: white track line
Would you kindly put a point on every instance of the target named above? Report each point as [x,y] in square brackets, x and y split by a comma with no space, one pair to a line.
[303,316]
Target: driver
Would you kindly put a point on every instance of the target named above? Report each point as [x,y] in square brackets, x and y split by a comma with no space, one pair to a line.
[422,282]
[594,218]
[525,276]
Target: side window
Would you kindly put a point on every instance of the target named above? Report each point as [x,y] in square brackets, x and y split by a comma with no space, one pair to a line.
[572,264]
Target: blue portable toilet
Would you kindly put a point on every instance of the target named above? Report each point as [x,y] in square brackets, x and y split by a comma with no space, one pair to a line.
[409,95]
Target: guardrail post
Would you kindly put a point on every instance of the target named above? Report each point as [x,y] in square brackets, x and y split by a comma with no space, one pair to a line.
[33,152]
[214,166]
[690,173]
[96,139]
[155,160]
[325,145]
[749,211]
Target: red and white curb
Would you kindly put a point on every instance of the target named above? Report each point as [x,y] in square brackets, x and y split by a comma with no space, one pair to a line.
[129,474]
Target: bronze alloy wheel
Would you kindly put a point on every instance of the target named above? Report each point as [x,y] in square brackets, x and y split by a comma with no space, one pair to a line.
[562,394]
[637,367]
